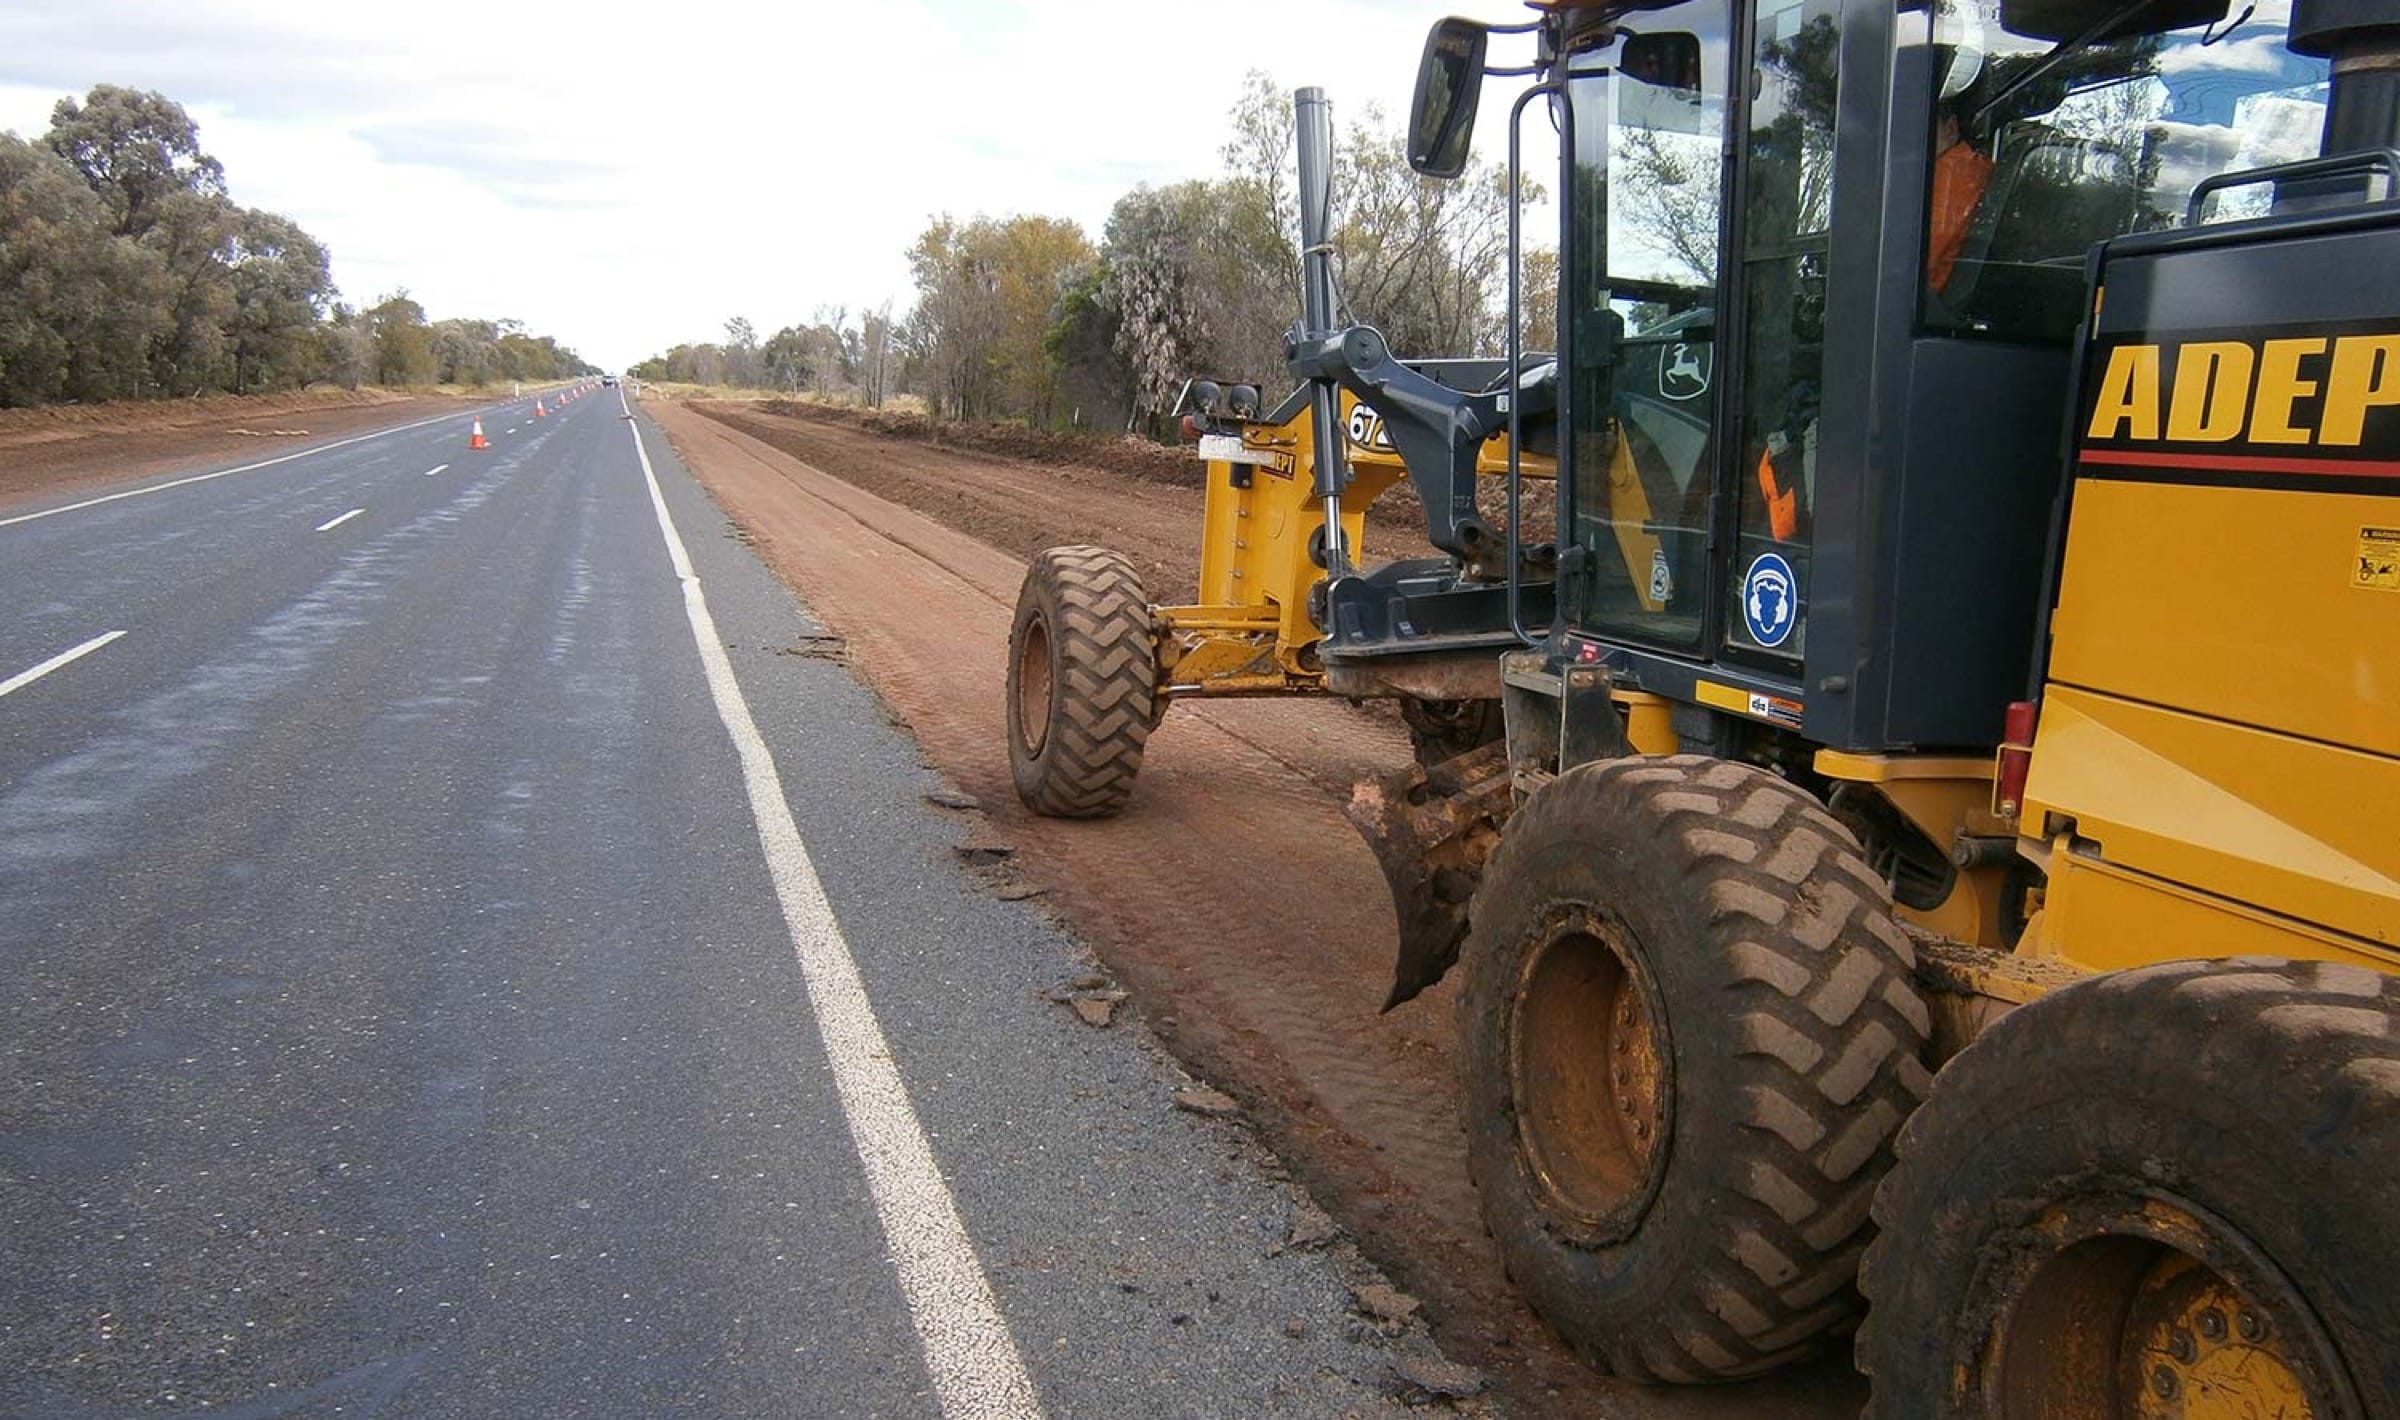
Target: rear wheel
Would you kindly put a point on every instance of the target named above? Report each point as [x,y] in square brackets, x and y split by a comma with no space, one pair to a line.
[1082,682]
[2163,1193]
[1691,1035]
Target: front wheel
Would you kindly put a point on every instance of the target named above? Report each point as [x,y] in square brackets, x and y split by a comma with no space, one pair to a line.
[2164,1192]
[1082,682]
[1692,1031]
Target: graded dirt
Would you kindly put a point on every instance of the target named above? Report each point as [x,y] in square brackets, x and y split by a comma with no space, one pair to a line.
[1231,897]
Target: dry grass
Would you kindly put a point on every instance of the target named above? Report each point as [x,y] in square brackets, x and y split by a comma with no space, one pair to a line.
[674,389]
[170,413]
[207,408]
[1138,458]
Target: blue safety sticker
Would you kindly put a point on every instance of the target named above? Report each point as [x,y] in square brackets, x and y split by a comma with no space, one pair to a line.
[1770,600]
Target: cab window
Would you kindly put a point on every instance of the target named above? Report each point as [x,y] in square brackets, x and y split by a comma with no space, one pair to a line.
[2041,149]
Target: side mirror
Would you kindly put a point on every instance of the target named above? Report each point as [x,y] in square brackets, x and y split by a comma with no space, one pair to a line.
[1441,118]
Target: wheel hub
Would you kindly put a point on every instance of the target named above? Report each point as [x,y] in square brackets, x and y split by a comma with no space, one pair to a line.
[1590,1076]
[1033,685]
[2145,1308]
[2203,1351]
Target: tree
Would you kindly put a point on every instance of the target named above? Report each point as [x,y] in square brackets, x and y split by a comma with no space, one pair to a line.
[953,326]
[1156,288]
[741,352]
[1423,261]
[136,149]
[986,293]
[467,352]
[126,270]
[1259,230]
[403,345]
[876,355]
[1537,275]
[282,285]
[1094,382]
[346,347]
[79,307]
[787,360]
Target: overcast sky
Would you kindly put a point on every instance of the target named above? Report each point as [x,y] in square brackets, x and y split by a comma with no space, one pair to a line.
[625,178]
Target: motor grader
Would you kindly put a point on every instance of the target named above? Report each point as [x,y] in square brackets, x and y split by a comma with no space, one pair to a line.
[1938,876]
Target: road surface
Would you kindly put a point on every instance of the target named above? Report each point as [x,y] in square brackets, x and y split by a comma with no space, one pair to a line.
[464,956]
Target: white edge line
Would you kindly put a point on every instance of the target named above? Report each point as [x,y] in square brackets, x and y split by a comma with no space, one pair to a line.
[330,524]
[972,1359]
[437,468]
[223,472]
[25,678]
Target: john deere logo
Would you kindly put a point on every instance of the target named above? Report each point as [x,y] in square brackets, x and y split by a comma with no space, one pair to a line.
[1683,369]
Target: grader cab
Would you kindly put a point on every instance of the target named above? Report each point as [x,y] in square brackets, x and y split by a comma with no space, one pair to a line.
[1942,844]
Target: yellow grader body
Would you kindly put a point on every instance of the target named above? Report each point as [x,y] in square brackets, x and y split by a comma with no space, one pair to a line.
[1936,855]
[2246,840]
[1261,552]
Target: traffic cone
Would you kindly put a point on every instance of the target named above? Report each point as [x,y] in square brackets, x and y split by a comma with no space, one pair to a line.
[476,439]
[538,411]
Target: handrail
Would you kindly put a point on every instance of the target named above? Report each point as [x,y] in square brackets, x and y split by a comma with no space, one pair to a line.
[1516,355]
[2363,162]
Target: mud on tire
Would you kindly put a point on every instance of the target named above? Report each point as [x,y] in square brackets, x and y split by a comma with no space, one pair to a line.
[1082,682]
[2077,1159]
[1694,943]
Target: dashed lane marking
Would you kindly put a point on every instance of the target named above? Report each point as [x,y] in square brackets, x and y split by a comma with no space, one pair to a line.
[976,1370]
[22,679]
[331,523]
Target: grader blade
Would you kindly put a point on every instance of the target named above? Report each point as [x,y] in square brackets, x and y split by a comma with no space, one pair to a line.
[1431,830]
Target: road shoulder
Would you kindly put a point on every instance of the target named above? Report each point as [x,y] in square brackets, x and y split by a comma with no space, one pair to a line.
[1148,1258]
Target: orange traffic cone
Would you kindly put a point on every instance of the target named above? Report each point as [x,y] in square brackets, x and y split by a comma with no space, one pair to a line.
[476,439]
[538,411]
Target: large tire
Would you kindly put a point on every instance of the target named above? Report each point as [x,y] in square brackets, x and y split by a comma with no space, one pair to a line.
[2039,1232]
[1082,682]
[1692,952]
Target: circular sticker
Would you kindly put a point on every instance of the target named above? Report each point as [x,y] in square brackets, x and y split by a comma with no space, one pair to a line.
[1770,600]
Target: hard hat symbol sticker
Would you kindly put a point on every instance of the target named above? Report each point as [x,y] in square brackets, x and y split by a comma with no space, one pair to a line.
[1770,600]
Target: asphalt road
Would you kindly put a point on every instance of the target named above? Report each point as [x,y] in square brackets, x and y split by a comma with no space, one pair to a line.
[436,987]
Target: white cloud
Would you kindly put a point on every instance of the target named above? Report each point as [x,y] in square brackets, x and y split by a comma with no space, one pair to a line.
[627,178]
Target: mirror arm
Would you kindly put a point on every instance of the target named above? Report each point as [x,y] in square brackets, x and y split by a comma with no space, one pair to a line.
[2043,67]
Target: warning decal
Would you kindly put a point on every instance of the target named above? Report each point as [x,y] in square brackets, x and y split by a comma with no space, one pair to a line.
[1776,708]
[2378,564]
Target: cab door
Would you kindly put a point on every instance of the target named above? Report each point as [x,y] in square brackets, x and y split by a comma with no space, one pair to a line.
[1645,211]
[1785,223]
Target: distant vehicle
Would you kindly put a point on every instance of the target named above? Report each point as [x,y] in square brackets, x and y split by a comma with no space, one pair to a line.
[609,381]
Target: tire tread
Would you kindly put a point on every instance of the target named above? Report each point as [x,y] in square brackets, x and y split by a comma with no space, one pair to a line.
[1821,1010]
[1106,683]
